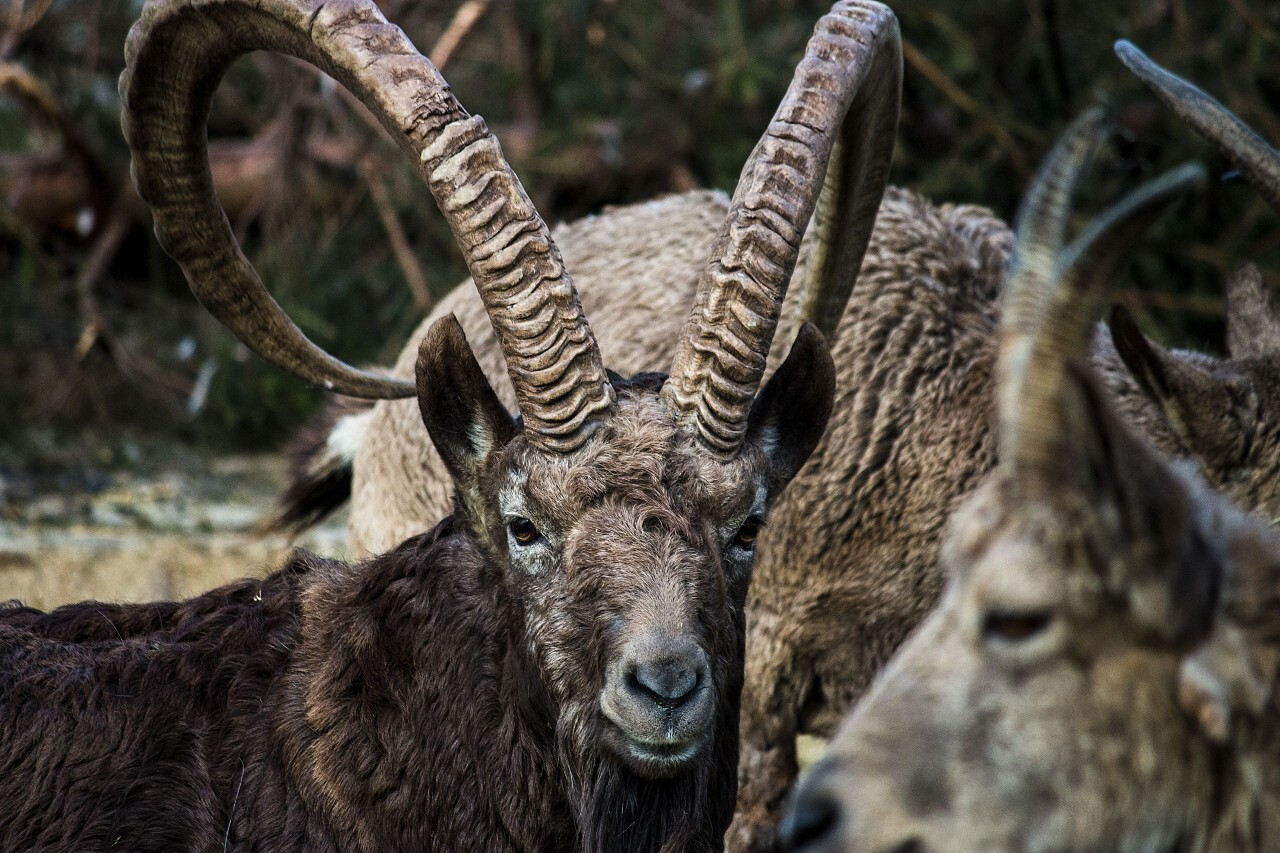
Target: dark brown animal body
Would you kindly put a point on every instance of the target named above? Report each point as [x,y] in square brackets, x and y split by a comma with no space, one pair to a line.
[249,723]
[386,706]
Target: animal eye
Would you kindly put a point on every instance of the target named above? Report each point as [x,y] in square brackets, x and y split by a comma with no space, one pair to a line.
[1013,626]
[523,531]
[745,538]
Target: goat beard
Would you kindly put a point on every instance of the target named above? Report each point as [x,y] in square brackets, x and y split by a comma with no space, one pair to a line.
[620,811]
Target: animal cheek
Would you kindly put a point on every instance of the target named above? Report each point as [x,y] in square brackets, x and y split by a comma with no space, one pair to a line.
[927,789]
[564,645]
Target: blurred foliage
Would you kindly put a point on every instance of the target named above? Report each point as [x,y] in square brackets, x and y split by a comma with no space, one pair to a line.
[597,102]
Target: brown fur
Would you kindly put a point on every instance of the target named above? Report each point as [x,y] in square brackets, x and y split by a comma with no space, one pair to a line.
[847,566]
[1099,675]
[1218,410]
[470,690]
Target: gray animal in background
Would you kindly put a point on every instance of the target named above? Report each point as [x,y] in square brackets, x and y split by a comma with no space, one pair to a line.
[555,666]
[848,563]
[1225,412]
[1100,673]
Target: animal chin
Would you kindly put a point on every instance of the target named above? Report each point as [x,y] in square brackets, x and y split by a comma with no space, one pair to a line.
[662,760]
[654,758]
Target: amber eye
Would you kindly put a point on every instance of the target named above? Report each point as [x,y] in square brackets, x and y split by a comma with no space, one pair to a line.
[523,531]
[745,538]
[1013,626]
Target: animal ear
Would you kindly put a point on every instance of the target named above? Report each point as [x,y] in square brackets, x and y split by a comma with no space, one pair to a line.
[1219,681]
[791,412]
[1231,675]
[1253,314]
[463,415]
[1198,407]
[1166,570]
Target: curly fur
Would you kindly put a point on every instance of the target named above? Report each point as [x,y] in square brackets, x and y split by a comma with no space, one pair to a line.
[848,564]
[313,709]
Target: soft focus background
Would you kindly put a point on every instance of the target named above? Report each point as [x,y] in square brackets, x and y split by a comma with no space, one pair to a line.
[122,400]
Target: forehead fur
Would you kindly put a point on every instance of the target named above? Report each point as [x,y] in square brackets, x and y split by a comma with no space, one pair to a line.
[1002,529]
[635,456]
[1000,509]
[1163,564]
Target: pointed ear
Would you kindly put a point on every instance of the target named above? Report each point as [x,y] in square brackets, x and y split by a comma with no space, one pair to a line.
[1198,407]
[463,415]
[791,413]
[1253,314]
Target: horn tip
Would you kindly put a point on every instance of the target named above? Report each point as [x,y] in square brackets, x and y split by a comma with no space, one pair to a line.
[1130,54]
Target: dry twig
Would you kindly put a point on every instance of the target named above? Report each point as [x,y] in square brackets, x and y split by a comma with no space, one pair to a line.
[464,20]
[400,246]
[957,96]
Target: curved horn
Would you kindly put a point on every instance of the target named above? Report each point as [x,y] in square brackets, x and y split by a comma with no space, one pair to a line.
[1091,260]
[857,175]
[176,55]
[844,95]
[1248,152]
[1041,228]
[1055,294]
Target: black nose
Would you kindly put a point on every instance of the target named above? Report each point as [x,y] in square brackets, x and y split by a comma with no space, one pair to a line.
[668,683]
[811,821]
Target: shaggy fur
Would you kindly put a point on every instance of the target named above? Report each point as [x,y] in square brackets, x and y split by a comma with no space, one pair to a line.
[848,564]
[448,695]
[302,711]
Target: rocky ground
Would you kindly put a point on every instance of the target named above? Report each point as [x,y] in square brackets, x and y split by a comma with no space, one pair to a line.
[166,523]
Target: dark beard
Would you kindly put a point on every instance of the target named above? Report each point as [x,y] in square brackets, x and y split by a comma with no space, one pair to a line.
[625,813]
[620,812]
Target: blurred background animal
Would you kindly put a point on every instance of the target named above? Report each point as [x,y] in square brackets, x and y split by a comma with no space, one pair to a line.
[1100,674]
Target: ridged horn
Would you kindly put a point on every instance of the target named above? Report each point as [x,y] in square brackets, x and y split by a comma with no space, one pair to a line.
[1054,295]
[176,55]
[1247,151]
[844,95]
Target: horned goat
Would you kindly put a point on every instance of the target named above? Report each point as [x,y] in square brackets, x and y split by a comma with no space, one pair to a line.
[555,666]
[1100,672]
[848,563]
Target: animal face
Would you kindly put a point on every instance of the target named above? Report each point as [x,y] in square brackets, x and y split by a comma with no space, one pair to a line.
[632,560]
[630,556]
[1036,709]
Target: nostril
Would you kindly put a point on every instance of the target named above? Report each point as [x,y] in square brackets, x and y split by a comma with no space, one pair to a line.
[911,845]
[810,821]
[669,685]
